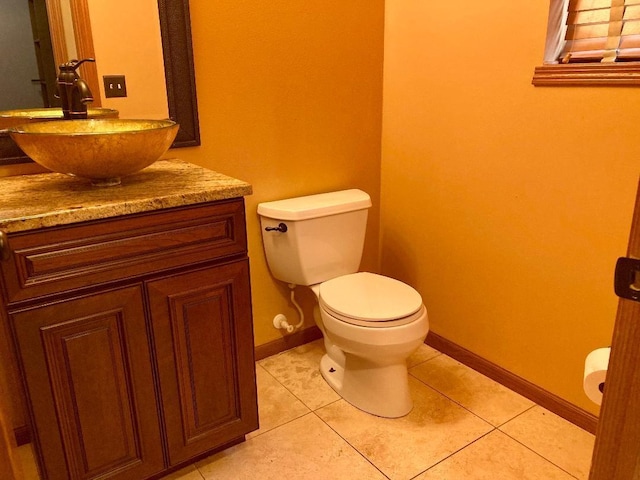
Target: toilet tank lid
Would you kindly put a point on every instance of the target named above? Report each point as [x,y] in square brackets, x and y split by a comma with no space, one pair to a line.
[312,206]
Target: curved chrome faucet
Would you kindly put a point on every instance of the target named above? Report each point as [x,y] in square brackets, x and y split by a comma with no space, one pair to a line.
[73,91]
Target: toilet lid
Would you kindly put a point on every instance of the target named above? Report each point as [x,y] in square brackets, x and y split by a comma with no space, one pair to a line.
[369,297]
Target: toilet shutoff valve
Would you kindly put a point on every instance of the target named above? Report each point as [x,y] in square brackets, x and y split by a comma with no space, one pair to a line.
[281,323]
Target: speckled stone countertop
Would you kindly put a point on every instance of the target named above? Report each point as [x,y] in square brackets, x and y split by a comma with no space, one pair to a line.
[28,202]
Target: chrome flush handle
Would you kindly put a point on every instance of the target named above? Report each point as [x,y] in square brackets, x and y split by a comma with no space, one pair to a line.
[5,253]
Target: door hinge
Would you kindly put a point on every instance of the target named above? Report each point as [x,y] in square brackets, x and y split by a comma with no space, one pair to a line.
[627,278]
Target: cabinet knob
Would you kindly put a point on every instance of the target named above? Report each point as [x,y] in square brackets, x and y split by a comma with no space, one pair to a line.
[5,253]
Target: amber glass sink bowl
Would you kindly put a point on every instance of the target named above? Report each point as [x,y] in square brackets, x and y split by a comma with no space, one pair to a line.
[103,151]
[11,118]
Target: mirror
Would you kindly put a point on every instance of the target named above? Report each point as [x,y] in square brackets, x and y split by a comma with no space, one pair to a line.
[175,32]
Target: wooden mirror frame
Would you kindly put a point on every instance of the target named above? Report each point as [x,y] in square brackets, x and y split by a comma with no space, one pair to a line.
[83,38]
[175,28]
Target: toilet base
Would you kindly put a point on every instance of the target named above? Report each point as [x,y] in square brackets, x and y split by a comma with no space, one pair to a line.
[381,390]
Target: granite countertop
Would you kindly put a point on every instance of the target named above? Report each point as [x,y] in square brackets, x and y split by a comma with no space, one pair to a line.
[28,202]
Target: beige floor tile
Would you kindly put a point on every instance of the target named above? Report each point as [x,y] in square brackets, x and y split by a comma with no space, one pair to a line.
[422,354]
[489,400]
[495,457]
[187,473]
[305,448]
[556,439]
[298,369]
[402,448]
[276,405]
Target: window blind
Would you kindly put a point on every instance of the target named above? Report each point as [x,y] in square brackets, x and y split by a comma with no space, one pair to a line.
[601,31]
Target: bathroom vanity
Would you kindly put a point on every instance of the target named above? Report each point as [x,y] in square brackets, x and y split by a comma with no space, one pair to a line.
[127,312]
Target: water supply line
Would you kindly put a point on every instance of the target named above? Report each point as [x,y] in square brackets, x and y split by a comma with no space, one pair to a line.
[280,321]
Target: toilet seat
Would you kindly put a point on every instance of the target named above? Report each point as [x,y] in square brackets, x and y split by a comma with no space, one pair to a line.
[370,300]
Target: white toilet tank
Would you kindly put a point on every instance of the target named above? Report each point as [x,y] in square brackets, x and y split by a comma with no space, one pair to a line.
[324,235]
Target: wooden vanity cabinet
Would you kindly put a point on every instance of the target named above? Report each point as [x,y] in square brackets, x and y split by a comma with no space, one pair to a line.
[204,360]
[134,339]
[88,370]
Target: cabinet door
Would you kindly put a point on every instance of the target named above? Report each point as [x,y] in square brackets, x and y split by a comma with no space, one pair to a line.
[204,345]
[89,378]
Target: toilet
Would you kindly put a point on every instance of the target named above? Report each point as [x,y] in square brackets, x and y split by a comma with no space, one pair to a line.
[370,323]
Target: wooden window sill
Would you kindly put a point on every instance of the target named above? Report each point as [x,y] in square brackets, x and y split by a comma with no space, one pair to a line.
[587,74]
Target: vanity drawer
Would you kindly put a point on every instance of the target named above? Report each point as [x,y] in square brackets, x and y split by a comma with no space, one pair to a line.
[57,259]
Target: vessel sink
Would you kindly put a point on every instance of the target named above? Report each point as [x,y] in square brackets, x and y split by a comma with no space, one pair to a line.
[11,118]
[102,150]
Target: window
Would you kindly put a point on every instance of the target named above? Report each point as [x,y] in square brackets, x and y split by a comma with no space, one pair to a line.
[591,42]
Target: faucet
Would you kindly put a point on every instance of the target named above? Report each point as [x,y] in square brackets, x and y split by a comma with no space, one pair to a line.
[73,92]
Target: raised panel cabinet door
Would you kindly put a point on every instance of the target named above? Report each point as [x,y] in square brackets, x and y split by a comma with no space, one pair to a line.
[203,336]
[89,378]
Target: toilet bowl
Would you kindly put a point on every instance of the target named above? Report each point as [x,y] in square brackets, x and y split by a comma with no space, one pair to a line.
[370,323]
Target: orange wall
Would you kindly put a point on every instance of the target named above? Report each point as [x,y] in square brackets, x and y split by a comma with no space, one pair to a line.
[506,205]
[290,100]
[129,44]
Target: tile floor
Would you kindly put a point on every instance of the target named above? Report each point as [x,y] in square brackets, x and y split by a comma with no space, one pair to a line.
[463,426]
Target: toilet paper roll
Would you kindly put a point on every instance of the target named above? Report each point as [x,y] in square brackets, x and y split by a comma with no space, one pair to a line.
[595,372]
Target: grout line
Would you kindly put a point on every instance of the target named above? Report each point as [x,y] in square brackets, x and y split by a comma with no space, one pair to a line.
[251,437]
[518,415]
[424,361]
[454,401]
[349,443]
[467,408]
[287,389]
[454,453]
[286,422]
[537,453]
